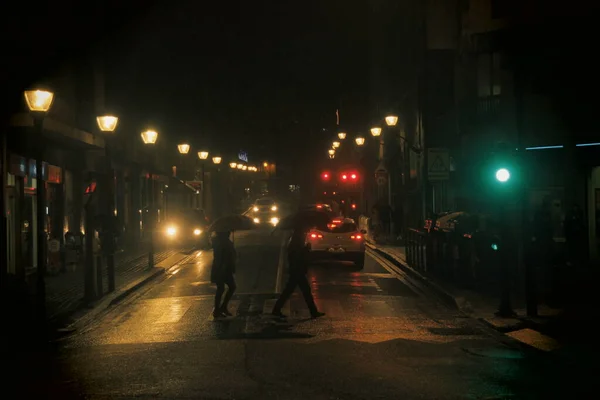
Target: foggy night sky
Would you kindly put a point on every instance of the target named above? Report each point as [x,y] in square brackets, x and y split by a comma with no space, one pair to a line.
[244,70]
[222,74]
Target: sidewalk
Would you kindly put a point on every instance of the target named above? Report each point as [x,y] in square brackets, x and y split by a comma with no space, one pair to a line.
[554,330]
[64,292]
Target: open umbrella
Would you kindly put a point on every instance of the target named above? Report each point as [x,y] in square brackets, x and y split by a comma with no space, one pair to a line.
[304,220]
[230,223]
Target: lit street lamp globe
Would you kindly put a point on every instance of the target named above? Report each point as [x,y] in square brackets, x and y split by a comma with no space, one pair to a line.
[375,131]
[233,165]
[360,140]
[391,120]
[149,137]
[107,123]
[244,168]
[331,151]
[240,166]
[203,155]
[336,145]
[183,148]
[342,135]
[216,160]
[38,100]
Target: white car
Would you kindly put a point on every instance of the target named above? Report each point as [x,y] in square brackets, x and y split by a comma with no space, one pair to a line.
[340,239]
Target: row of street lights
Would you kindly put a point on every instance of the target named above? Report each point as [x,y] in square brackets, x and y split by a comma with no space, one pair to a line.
[39,102]
[390,120]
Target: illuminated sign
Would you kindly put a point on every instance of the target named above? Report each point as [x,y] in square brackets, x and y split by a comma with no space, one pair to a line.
[243,156]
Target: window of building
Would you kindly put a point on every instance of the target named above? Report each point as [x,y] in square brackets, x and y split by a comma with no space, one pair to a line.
[488,75]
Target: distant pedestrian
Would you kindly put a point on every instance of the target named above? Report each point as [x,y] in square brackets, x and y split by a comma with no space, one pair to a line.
[223,273]
[298,268]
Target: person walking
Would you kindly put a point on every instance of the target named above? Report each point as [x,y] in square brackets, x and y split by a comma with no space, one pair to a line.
[222,273]
[298,268]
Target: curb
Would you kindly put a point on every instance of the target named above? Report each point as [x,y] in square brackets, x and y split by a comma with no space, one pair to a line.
[447,297]
[137,285]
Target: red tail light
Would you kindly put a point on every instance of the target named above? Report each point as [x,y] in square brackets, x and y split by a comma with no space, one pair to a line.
[336,221]
[356,236]
[316,235]
[354,206]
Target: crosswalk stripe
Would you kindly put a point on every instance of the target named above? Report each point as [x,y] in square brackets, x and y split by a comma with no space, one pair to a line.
[234,306]
[270,303]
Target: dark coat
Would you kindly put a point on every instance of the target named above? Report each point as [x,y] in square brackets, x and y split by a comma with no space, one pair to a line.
[224,257]
[298,255]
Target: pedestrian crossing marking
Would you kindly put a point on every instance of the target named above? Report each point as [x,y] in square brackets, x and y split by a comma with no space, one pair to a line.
[174,312]
[270,303]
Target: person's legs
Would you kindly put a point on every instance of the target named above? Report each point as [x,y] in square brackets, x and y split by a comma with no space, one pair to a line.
[285,295]
[218,296]
[231,286]
[308,297]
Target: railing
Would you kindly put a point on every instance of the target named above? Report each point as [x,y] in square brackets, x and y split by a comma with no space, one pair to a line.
[416,245]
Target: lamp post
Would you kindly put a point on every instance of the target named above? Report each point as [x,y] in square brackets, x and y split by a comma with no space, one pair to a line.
[39,102]
[391,120]
[203,155]
[149,137]
[108,124]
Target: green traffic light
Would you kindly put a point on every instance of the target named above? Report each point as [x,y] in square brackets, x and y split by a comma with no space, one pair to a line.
[502,175]
[494,247]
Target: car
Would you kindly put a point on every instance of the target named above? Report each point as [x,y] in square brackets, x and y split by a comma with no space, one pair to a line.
[340,239]
[188,227]
[265,211]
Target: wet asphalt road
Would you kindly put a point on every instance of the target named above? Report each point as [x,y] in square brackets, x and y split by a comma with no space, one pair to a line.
[382,338]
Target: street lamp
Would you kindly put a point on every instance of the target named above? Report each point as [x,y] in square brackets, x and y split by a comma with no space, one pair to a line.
[336,145]
[216,160]
[375,131]
[183,148]
[39,102]
[360,141]
[150,137]
[106,123]
[391,120]
[203,155]
[332,156]
[233,165]
[240,166]
[331,152]
[342,135]
[245,168]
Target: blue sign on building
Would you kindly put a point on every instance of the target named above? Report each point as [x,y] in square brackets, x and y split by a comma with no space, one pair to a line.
[243,156]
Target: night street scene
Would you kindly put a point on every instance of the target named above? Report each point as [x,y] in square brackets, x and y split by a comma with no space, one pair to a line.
[311,200]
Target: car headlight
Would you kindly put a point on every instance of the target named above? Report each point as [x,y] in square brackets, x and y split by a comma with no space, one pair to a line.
[255,209]
[274,208]
[274,220]
[197,232]
[171,231]
[256,221]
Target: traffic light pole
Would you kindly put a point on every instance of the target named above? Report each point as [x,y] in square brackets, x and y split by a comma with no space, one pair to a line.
[504,310]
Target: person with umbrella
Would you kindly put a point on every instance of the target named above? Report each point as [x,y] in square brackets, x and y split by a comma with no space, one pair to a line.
[223,272]
[224,257]
[298,261]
